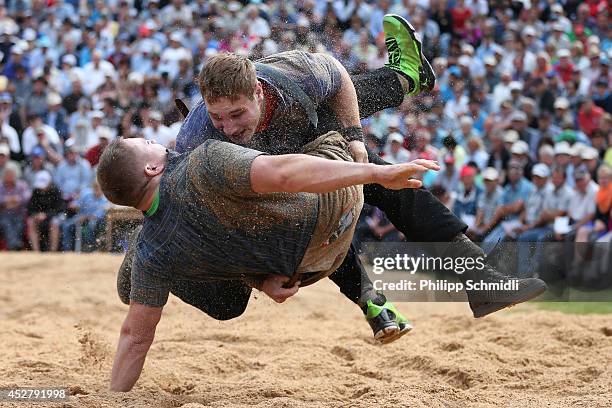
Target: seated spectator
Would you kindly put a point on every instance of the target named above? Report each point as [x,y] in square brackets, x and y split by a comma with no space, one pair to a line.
[5,161]
[443,196]
[487,203]
[476,152]
[448,177]
[468,194]
[14,196]
[394,152]
[56,116]
[45,204]
[90,210]
[546,155]
[105,136]
[39,134]
[157,131]
[520,154]
[515,194]
[582,204]
[38,161]
[603,200]
[72,175]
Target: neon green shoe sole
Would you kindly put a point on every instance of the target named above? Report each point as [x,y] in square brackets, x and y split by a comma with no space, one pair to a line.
[405,53]
[387,323]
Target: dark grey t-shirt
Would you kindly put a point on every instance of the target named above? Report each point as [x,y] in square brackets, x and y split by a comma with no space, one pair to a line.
[209,226]
[290,129]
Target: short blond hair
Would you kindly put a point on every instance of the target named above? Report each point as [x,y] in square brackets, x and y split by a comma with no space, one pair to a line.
[227,75]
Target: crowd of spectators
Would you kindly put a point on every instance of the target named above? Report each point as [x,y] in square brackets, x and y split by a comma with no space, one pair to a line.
[520,118]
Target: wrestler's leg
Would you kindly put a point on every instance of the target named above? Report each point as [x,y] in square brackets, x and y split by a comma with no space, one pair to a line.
[387,323]
[221,300]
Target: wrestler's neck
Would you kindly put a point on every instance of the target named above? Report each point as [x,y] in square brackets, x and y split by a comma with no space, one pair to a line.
[150,194]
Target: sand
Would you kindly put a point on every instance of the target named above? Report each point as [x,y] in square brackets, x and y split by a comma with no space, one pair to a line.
[60,318]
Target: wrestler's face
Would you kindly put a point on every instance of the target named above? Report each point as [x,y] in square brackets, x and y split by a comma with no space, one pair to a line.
[147,151]
[237,119]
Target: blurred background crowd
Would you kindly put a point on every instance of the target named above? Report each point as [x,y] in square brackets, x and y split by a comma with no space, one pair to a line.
[520,118]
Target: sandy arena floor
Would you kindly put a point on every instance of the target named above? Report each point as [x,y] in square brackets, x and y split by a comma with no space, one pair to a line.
[60,318]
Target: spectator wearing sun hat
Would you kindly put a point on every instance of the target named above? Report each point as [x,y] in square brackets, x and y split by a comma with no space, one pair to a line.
[489,201]
[467,195]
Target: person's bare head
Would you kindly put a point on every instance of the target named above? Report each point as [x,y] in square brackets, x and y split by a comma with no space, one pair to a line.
[233,95]
[130,170]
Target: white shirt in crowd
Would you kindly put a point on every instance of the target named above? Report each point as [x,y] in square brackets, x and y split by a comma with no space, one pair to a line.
[162,135]
[30,140]
[583,204]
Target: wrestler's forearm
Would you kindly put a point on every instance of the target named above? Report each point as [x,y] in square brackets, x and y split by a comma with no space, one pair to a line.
[294,173]
[128,364]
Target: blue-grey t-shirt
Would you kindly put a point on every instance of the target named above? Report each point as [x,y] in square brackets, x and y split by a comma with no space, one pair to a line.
[210,225]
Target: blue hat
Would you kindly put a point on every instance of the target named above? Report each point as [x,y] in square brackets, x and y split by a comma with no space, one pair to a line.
[5,97]
[454,70]
[38,151]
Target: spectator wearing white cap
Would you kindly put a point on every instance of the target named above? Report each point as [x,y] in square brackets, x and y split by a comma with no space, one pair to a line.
[394,151]
[562,111]
[105,136]
[590,158]
[514,197]
[15,60]
[68,71]
[501,92]
[564,67]
[556,204]
[488,202]
[56,116]
[520,153]
[529,218]
[176,52]
[476,152]
[582,203]
[156,130]
[44,206]
[546,155]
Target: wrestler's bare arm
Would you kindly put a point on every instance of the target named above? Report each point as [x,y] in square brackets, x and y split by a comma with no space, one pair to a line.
[303,173]
[137,333]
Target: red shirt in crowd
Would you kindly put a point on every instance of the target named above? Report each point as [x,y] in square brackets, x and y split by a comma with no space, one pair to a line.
[589,121]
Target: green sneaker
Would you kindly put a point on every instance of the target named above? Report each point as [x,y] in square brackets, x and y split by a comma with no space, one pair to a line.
[405,54]
[387,323]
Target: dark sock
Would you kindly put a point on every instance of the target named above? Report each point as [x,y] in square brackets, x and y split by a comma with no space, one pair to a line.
[377,298]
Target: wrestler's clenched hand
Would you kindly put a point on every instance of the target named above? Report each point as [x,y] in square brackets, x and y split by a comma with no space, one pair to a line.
[358,151]
[398,176]
[273,287]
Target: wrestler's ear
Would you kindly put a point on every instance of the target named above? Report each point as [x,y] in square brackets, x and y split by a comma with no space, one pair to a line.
[152,170]
[258,91]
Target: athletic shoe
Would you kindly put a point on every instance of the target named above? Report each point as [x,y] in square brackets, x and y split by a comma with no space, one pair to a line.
[387,323]
[124,276]
[405,53]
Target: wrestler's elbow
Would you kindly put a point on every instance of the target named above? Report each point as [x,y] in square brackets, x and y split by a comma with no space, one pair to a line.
[270,175]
